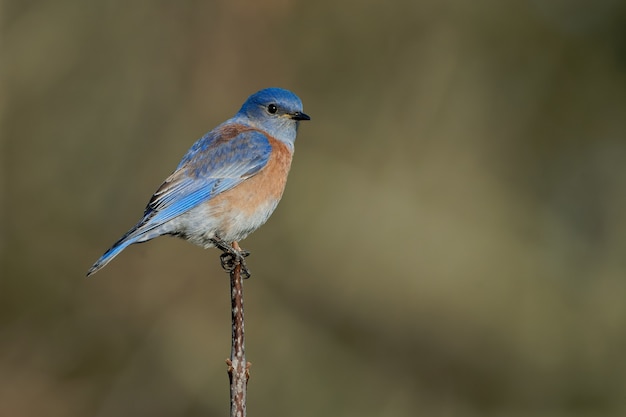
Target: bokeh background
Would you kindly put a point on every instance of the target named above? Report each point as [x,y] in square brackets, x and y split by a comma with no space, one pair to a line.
[452,241]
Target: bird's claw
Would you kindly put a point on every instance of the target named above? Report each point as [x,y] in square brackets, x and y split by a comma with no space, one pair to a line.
[232,258]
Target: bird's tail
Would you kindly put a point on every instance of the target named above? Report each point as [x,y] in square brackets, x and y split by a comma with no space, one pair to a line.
[108,257]
[137,234]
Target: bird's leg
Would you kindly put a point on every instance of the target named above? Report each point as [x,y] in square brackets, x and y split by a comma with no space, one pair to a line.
[232,257]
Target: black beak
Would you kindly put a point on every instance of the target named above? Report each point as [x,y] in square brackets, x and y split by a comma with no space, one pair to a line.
[299,116]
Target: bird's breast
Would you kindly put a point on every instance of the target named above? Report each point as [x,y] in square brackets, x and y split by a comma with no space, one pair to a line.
[265,186]
[243,209]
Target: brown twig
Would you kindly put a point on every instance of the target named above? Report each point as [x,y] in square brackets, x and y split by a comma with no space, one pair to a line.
[237,365]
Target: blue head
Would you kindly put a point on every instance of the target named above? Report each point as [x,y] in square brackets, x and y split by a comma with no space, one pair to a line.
[275,111]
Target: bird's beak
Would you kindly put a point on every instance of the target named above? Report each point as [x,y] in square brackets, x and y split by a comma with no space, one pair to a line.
[299,116]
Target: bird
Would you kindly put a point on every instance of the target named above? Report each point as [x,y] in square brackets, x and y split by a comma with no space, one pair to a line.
[227,184]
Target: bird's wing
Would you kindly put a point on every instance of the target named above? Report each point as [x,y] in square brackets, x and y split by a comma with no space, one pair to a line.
[216,163]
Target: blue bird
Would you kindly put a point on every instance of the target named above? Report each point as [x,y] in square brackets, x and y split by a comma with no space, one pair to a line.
[229,182]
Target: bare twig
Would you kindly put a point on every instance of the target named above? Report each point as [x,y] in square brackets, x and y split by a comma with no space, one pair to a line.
[237,365]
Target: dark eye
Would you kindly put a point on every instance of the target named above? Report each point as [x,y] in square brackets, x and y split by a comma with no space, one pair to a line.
[272,108]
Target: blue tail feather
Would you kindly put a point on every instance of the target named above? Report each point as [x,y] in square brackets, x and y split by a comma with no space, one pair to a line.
[142,232]
[115,250]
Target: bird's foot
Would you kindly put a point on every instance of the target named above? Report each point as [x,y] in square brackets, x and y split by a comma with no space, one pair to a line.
[232,257]
[230,260]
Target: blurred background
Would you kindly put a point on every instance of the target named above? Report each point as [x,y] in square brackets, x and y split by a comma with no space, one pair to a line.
[452,240]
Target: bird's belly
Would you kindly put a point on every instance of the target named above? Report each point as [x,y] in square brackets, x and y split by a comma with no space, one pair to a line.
[223,221]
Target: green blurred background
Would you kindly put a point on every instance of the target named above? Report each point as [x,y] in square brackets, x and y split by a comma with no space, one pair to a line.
[452,240]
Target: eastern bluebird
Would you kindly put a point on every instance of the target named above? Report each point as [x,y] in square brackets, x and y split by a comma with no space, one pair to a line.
[229,182]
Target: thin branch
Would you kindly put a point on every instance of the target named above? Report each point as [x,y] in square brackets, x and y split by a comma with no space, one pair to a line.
[237,365]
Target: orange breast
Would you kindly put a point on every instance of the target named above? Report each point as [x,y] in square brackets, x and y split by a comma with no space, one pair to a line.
[268,185]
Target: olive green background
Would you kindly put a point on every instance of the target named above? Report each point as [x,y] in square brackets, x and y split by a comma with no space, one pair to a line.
[452,240]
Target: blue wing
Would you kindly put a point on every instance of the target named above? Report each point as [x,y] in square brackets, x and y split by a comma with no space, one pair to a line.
[219,161]
[212,166]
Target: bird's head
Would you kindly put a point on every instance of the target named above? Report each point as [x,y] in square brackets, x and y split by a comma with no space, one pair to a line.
[275,111]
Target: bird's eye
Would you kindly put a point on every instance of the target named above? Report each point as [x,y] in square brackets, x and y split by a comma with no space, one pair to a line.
[272,108]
